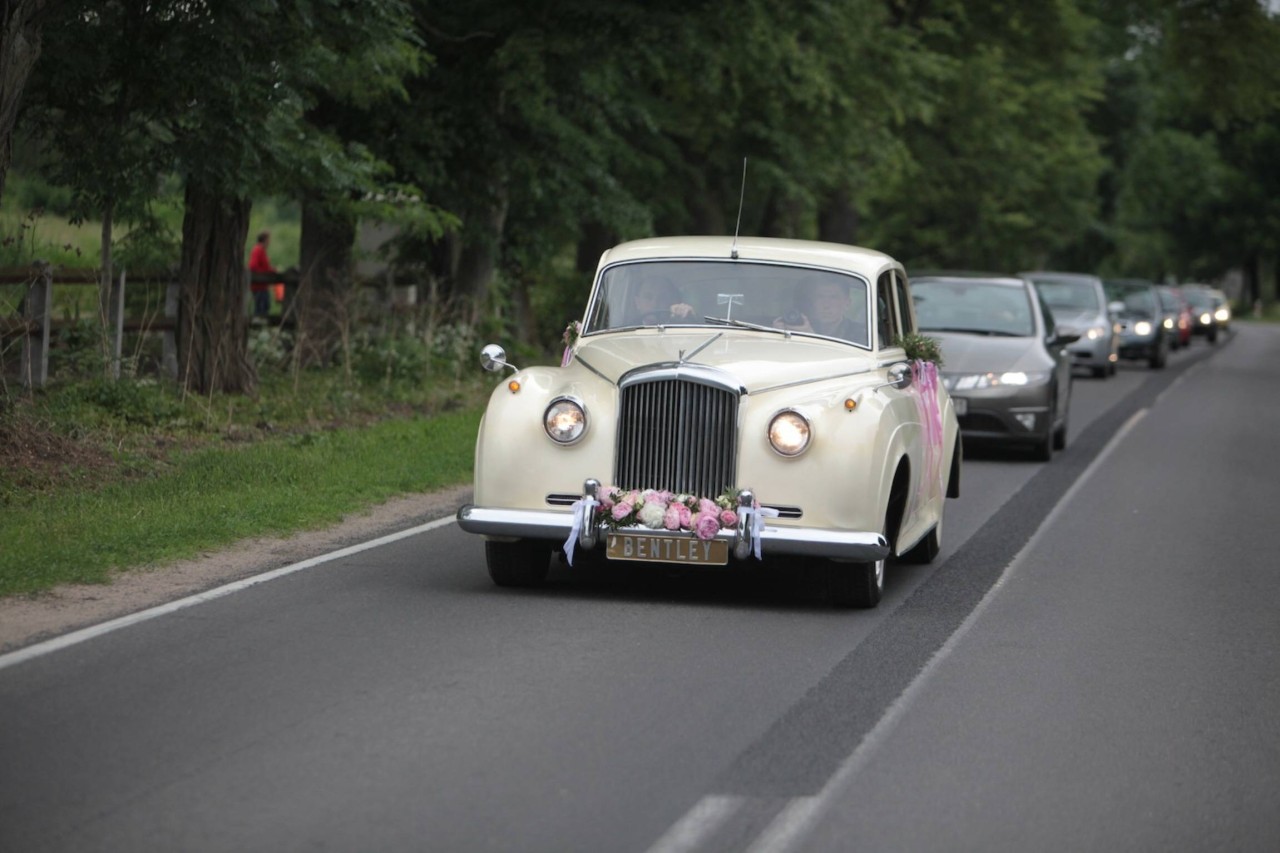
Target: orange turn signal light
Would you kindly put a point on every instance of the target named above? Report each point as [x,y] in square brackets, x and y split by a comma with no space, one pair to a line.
[514,386]
[850,404]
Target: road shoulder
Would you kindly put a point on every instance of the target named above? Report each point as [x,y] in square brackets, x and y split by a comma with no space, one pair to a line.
[27,619]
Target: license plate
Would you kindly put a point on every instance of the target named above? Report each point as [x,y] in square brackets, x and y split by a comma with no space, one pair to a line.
[647,548]
[962,406]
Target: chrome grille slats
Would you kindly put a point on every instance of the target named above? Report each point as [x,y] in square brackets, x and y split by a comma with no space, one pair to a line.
[677,434]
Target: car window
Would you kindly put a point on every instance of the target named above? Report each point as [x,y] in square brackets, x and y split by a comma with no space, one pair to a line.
[972,306]
[685,293]
[1069,296]
[1046,313]
[905,312]
[1138,301]
[887,324]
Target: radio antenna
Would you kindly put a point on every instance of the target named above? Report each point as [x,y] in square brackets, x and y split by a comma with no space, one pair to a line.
[733,250]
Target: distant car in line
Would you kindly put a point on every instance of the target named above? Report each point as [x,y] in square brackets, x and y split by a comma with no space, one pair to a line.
[1004,359]
[1211,310]
[1178,318]
[1079,303]
[1135,304]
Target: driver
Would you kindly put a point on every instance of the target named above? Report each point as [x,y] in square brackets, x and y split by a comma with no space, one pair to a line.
[824,306]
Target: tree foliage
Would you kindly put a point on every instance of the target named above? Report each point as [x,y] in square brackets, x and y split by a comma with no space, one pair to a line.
[511,142]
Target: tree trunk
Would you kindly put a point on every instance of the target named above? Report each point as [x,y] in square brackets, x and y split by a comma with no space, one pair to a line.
[213,320]
[324,301]
[593,240]
[838,220]
[20,34]
[479,256]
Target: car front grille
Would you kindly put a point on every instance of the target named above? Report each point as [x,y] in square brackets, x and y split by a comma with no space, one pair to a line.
[677,435]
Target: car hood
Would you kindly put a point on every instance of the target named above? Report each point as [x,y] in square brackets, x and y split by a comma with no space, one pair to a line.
[756,360]
[962,353]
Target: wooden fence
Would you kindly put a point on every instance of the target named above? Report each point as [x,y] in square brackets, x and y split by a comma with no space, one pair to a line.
[35,324]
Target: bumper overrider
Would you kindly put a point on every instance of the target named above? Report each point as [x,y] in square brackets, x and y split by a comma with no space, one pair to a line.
[753,535]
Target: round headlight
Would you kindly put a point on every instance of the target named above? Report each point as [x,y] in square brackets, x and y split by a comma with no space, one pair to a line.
[789,433]
[565,421]
[1142,327]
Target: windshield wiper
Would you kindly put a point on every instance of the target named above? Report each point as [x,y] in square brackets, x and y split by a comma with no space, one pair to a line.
[743,324]
[990,333]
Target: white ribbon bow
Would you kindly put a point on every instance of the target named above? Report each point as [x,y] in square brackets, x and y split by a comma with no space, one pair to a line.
[583,509]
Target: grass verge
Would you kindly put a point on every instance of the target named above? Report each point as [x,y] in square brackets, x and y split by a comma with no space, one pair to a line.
[210,497]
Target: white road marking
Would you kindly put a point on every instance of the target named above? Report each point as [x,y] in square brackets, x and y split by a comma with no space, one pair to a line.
[797,820]
[697,825]
[39,649]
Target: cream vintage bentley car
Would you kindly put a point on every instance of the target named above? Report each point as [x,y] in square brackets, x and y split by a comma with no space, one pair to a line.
[723,400]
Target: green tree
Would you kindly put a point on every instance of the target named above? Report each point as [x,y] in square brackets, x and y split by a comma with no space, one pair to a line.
[21,35]
[1004,171]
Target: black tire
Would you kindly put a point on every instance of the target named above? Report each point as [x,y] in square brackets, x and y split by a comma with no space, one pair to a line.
[524,562]
[1213,334]
[859,585]
[927,549]
[1160,357]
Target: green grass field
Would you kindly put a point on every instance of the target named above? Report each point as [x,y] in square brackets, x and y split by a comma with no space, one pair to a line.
[213,496]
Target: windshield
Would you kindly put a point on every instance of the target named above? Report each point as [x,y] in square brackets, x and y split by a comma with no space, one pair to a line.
[967,306]
[1138,300]
[1069,296]
[1198,298]
[684,293]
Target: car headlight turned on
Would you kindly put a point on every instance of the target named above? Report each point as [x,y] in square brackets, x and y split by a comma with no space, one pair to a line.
[1012,378]
[1095,332]
[789,432]
[1222,315]
[565,420]
[1206,318]
[1168,322]
[1142,327]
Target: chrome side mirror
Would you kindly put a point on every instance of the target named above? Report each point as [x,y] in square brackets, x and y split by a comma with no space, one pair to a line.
[493,358]
[899,376]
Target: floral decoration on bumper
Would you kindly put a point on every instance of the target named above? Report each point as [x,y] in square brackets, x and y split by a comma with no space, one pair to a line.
[704,517]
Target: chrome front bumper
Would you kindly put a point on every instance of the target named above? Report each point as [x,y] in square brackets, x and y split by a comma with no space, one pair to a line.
[556,525]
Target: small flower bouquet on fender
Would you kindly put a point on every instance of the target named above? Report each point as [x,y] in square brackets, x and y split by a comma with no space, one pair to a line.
[662,510]
[570,337]
[921,348]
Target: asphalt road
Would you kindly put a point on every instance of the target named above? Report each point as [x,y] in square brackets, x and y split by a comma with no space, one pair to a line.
[1092,663]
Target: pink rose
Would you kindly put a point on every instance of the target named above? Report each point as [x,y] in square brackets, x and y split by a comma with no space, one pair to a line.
[633,497]
[605,496]
[686,516]
[728,518]
[671,520]
[707,525]
[708,507]
[621,510]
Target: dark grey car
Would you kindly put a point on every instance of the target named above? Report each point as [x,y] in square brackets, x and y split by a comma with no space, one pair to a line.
[1004,359]
[1135,305]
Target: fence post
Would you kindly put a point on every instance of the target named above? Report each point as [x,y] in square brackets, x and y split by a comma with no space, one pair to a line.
[115,324]
[169,350]
[37,310]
